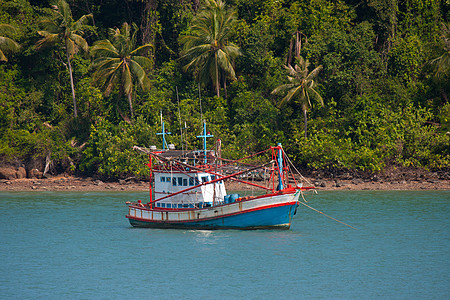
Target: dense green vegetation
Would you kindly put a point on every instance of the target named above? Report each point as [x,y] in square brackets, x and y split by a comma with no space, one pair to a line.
[342,84]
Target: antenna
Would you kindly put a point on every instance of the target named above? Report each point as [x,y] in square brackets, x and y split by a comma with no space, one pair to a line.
[163,133]
[200,99]
[179,117]
[185,130]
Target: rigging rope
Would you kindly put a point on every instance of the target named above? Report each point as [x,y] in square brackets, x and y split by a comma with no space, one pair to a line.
[298,172]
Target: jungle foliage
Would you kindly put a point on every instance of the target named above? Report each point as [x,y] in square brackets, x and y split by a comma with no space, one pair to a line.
[382,77]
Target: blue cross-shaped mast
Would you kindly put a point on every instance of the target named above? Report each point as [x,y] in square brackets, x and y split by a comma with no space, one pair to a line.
[204,136]
[163,133]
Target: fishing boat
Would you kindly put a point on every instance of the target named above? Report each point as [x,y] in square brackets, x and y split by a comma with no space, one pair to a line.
[187,190]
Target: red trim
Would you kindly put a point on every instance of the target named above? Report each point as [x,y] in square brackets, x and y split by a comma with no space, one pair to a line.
[306,188]
[156,170]
[212,218]
[167,193]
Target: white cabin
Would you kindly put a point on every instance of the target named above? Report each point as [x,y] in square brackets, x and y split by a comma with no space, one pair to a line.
[167,183]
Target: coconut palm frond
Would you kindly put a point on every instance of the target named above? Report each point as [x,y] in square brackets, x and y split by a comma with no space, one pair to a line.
[140,49]
[7,44]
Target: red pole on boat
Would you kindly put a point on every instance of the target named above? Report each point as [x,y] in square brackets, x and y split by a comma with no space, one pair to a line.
[150,180]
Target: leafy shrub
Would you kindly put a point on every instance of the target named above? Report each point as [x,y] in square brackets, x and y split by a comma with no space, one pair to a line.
[110,153]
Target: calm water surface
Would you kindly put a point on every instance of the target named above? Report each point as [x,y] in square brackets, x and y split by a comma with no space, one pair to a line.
[79,245]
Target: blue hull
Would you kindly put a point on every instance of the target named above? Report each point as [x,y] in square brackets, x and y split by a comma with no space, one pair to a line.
[273,217]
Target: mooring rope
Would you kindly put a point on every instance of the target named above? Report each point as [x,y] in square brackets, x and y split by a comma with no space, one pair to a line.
[326,215]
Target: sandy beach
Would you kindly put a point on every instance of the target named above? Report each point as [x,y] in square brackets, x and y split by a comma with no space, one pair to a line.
[70,183]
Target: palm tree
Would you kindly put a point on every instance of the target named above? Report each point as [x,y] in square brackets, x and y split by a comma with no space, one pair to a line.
[207,50]
[7,44]
[442,63]
[301,86]
[63,30]
[118,62]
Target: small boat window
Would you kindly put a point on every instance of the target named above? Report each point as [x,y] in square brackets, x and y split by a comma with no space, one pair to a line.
[169,205]
[213,177]
[184,181]
[174,181]
[163,179]
[185,205]
[167,179]
[180,205]
[205,179]
[191,181]
[163,205]
[180,181]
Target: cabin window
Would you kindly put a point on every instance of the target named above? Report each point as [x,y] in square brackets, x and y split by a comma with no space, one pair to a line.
[163,205]
[205,179]
[169,205]
[167,179]
[191,181]
[184,181]
[185,205]
[213,177]
[174,181]
[180,181]
[180,205]
[163,179]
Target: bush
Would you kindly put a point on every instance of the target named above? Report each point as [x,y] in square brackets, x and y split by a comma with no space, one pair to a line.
[109,151]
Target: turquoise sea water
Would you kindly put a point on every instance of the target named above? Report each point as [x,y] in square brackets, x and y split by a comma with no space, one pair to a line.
[79,245]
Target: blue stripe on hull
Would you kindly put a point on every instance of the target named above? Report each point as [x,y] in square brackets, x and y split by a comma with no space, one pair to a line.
[274,217]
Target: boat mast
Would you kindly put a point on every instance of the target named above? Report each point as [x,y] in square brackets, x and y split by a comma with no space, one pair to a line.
[280,168]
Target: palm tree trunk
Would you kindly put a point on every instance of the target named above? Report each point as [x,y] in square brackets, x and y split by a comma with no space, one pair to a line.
[131,105]
[306,121]
[225,87]
[75,113]
[217,76]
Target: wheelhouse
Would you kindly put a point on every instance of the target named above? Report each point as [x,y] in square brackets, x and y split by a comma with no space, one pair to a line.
[175,182]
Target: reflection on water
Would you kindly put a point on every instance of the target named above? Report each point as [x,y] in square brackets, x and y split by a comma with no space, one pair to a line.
[205,237]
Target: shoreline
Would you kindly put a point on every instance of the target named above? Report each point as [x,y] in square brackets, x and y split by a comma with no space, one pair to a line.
[70,183]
